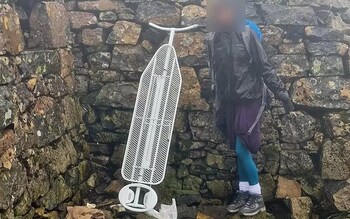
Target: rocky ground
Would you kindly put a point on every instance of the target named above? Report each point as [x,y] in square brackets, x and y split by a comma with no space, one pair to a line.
[68,82]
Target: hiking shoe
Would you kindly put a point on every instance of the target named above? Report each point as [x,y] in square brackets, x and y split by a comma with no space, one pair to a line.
[253,206]
[239,201]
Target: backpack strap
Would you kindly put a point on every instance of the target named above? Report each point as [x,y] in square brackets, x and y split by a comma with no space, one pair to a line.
[210,42]
[246,35]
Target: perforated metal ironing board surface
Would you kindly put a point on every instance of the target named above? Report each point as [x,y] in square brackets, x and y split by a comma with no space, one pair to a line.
[152,124]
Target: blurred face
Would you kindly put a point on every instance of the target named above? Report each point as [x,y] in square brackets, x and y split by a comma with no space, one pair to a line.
[225,15]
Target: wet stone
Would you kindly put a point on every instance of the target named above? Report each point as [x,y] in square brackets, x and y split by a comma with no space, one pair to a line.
[327,48]
[323,33]
[268,186]
[219,188]
[287,188]
[191,48]
[327,66]
[293,48]
[108,16]
[192,183]
[291,66]
[337,124]
[193,14]
[129,58]
[99,60]
[12,185]
[297,127]
[117,95]
[92,37]
[190,98]
[49,22]
[273,35]
[301,207]
[8,71]
[39,63]
[300,16]
[158,12]
[203,129]
[331,93]
[124,32]
[334,159]
[12,39]
[116,119]
[81,19]
[296,163]
[100,5]
[57,194]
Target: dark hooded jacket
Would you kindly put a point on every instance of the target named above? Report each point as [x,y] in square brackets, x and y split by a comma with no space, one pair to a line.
[245,75]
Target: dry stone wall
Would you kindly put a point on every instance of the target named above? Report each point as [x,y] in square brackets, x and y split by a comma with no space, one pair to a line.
[57,54]
[43,155]
[307,41]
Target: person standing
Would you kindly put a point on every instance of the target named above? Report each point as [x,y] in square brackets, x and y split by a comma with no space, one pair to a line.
[242,81]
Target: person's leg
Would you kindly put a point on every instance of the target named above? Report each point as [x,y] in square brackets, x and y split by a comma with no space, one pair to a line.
[248,166]
[255,202]
[242,195]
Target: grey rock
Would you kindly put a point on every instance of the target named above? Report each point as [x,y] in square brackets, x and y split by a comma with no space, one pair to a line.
[92,37]
[199,168]
[193,14]
[313,186]
[327,66]
[8,71]
[118,155]
[57,194]
[117,95]
[335,159]
[100,60]
[271,154]
[337,124]
[108,16]
[331,93]
[116,119]
[273,35]
[39,62]
[268,186]
[291,66]
[129,58]
[12,185]
[158,12]
[300,16]
[7,112]
[296,163]
[324,33]
[327,48]
[192,183]
[49,22]
[203,129]
[338,4]
[297,127]
[219,188]
[80,19]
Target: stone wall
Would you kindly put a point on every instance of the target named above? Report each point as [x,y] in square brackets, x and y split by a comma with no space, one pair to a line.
[308,150]
[43,155]
[304,160]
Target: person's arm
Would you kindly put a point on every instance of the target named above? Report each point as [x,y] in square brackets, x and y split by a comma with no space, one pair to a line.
[269,75]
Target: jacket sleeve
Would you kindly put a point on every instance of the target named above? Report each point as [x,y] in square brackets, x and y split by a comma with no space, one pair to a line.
[265,69]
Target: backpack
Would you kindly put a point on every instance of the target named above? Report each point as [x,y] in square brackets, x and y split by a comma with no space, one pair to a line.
[266,94]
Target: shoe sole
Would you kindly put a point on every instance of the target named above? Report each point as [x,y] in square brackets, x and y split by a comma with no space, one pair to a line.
[254,213]
[233,211]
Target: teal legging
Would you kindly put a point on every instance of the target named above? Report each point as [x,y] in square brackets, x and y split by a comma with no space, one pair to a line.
[247,170]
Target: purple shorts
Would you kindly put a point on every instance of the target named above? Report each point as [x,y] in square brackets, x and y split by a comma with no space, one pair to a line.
[240,117]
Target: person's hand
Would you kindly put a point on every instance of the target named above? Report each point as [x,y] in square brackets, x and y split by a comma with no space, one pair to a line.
[287,103]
